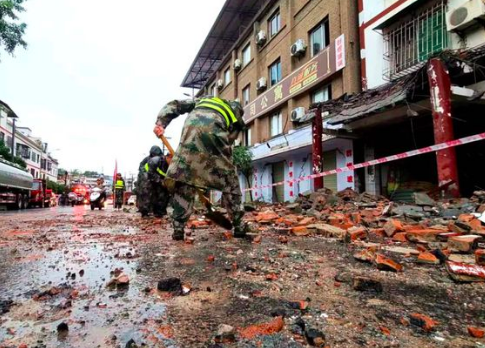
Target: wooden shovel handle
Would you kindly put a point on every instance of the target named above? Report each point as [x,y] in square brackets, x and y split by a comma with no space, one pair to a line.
[167,144]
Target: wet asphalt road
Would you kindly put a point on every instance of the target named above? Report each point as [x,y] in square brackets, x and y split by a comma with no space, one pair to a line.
[54,267]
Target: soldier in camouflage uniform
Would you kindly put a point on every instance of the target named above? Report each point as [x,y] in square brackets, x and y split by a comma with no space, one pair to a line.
[204,157]
[159,196]
[143,187]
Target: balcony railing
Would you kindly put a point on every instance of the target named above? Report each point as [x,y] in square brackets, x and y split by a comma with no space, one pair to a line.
[409,44]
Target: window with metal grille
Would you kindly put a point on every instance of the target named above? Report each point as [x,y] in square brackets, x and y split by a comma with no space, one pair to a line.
[409,44]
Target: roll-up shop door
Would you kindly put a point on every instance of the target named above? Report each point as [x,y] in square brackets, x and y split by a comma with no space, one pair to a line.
[278,176]
[330,163]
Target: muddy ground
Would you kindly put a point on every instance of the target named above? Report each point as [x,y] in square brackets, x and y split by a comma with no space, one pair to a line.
[55,265]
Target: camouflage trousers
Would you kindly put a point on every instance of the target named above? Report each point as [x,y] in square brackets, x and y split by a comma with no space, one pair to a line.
[183,205]
[154,197]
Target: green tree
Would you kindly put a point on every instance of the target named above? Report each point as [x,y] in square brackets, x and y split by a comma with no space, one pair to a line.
[6,153]
[242,159]
[11,32]
[90,173]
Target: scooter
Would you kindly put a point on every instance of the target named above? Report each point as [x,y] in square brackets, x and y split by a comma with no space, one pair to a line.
[97,198]
[72,198]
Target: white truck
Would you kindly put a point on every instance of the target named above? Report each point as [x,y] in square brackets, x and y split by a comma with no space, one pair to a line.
[15,185]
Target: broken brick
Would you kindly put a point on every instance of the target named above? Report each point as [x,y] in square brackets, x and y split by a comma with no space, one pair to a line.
[480,257]
[392,226]
[300,231]
[306,221]
[266,217]
[211,258]
[476,332]
[386,264]
[283,239]
[272,327]
[400,237]
[423,235]
[462,272]
[464,244]
[427,257]
[365,255]
[423,321]
[355,233]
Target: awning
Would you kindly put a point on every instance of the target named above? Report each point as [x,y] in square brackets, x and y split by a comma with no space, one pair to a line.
[233,19]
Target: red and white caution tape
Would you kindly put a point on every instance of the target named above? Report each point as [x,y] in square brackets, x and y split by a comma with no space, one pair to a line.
[428,149]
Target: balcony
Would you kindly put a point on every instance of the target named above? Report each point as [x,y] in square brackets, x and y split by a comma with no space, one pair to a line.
[409,43]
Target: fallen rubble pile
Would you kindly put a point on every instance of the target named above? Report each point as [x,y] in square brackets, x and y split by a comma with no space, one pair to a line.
[449,233]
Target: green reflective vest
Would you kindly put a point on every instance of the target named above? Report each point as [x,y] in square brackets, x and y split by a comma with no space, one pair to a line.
[159,171]
[119,184]
[220,106]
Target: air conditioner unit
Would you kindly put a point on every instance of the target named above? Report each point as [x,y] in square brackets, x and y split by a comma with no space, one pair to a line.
[261,84]
[297,113]
[261,38]
[237,64]
[220,83]
[298,48]
[466,15]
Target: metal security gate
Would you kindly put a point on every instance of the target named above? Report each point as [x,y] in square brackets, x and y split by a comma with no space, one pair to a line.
[329,163]
[278,176]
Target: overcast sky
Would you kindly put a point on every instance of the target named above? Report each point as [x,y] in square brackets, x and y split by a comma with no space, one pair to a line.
[96,73]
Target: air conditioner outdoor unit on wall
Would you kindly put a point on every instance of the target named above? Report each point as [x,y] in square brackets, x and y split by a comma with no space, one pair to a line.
[261,84]
[297,113]
[237,64]
[298,48]
[220,83]
[261,38]
[466,15]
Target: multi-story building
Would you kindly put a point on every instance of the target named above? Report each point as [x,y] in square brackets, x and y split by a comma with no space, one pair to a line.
[278,57]
[31,149]
[423,78]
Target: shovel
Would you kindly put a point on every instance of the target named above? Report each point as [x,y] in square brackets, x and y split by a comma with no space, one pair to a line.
[213,215]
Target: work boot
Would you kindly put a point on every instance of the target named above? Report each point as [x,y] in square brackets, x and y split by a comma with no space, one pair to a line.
[178,231]
[241,230]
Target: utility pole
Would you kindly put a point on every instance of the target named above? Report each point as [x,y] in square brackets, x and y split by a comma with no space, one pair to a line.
[317,154]
[14,129]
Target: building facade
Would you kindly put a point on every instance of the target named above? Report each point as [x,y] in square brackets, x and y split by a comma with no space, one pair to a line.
[40,164]
[278,58]
[423,81]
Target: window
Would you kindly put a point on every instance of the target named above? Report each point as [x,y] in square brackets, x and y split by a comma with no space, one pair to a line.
[276,124]
[247,137]
[274,24]
[32,157]
[9,141]
[275,72]
[246,54]
[23,151]
[321,95]
[213,90]
[412,42]
[2,136]
[32,171]
[43,164]
[227,76]
[319,37]
[245,95]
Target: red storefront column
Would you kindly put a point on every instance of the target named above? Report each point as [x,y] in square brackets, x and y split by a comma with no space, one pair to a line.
[317,154]
[440,92]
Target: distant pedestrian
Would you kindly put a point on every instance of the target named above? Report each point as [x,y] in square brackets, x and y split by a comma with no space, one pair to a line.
[119,191]
[142,185]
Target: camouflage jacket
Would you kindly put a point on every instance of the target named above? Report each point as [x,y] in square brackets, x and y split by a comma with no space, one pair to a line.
[204,155]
